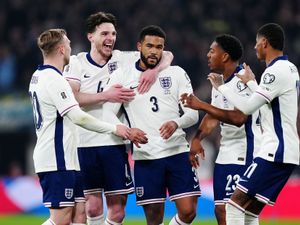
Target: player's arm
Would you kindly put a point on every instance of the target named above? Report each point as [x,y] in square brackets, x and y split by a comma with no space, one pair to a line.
[149,76]
[207,125]
[234,117]
[84,120]
[248,105]
[116,93]
[189,117]
[111,110]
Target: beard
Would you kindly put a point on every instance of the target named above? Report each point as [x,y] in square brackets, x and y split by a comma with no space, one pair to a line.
[104,53]
[147,64]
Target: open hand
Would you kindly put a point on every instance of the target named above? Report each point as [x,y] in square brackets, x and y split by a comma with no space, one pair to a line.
[216,80]
[146,81]
[117,93]
[247,75]
[190,101]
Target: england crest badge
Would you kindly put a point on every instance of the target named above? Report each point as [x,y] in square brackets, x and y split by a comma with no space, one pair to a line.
[139,191]
[69,193]
[112,67]
[166,84]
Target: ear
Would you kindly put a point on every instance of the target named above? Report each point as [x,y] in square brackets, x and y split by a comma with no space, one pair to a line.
[139,46]
[89,36]
[225,57]
[61,49]
[265,43]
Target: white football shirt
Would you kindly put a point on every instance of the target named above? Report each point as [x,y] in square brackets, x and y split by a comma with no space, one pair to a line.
[52,98]
[237,144]
[279,85]
[93,78]
[150,110]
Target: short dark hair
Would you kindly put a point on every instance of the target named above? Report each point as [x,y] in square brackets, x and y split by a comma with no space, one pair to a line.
[152,30]
[274,33]
[231,45]
[49,39]
[98,18]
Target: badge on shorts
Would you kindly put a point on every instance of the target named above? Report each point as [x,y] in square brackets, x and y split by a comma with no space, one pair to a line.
[139,191]
[69,193]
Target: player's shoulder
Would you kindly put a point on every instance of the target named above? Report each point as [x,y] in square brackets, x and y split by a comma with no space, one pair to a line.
[174,69]
[79,57]
[118,55]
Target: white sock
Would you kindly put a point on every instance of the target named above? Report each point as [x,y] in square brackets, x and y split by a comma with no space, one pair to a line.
[176,221]
[251,218]
[49,222]
[98,220]
[235,214]
[109,222]
[77,224]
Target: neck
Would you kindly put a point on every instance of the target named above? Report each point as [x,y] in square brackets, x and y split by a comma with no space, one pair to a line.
[271,55]
[97,57]
[55,63]
[229,69]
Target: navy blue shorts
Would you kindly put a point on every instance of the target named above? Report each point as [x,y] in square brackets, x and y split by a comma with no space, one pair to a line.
[226,177]
[59,188]
[153,178]
[264,179]
[105,168]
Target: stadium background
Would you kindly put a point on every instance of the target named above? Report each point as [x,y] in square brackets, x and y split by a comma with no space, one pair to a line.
[190,26]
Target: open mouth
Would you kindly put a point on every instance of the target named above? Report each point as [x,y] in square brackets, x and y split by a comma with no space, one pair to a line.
[108,46]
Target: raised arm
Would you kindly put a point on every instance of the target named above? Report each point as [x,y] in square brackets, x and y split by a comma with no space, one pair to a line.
[234,117]
[248,105]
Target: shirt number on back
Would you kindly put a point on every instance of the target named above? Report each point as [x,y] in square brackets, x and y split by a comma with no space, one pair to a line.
[37,115]
[154,102]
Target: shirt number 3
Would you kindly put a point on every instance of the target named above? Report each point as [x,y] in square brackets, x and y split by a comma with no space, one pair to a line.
[154,102]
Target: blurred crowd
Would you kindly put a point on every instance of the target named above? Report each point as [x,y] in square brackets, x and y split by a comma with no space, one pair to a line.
[190,26]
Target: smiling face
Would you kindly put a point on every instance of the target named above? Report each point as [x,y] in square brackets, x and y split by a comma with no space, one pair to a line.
[151,49]
[215,58]
[103,39]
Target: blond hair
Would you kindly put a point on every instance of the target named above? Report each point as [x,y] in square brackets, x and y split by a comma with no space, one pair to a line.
[49,39]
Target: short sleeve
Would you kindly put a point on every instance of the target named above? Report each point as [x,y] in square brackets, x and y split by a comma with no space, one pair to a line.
[61,95]
[73,71]
[185,84]
[270,86]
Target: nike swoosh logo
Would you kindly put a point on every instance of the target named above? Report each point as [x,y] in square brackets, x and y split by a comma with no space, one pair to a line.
[86,76]
[127,184]
[134,87]
[227,194]
[195,186]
